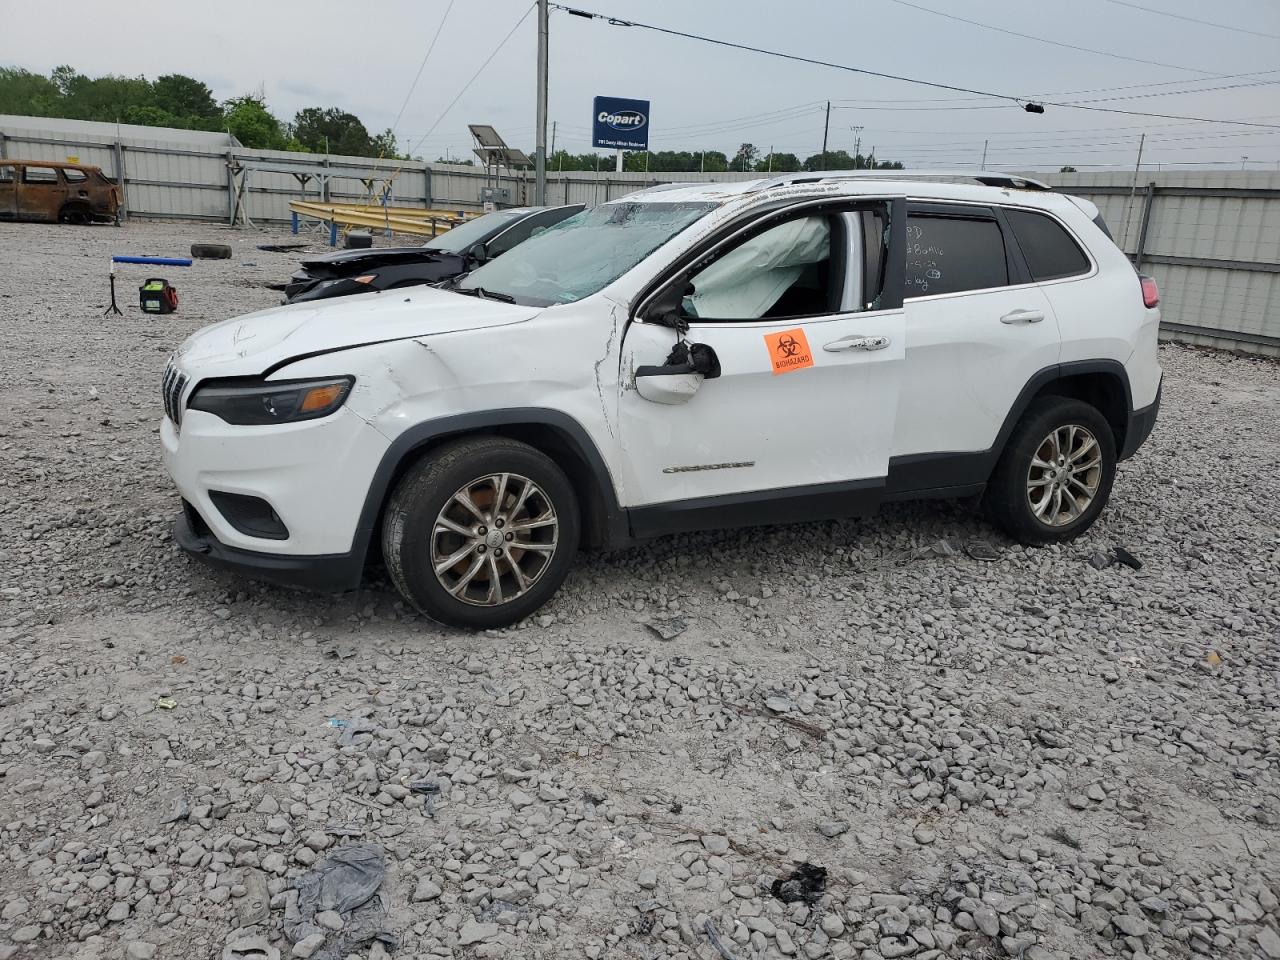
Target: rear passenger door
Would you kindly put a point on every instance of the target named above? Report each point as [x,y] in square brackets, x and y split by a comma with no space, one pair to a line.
[40,193]
[977,329]
[8,192]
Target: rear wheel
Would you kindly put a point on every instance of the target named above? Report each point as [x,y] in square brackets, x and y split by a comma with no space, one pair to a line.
[75,213]
[481,533]
[1055,474]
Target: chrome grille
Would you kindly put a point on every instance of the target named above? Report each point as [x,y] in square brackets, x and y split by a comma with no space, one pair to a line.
[171,390]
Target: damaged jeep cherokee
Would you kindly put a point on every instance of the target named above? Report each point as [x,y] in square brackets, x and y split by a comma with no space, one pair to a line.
[690,356]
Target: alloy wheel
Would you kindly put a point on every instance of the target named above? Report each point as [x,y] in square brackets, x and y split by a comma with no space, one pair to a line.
[1065,474]
[494,539]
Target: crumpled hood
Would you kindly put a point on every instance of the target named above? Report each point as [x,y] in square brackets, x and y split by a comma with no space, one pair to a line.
[255,342]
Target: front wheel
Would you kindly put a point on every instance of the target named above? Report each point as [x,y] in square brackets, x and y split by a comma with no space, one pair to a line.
[481,533]
[1055,474]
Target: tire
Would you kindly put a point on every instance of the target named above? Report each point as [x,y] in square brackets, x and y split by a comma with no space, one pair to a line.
[211,251]
[415,539]
[75,213]
[1027,513]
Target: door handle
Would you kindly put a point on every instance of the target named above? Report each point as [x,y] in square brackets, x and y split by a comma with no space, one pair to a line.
[1022,316]
[856,342]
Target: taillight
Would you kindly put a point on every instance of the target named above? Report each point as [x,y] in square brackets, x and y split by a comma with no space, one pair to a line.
[1150,292]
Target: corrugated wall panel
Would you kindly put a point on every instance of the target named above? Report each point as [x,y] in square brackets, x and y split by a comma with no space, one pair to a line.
[183,173]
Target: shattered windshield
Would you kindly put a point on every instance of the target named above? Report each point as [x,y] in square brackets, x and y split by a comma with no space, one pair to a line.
[585,253]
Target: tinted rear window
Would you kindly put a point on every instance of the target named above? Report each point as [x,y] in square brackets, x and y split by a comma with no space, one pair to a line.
[1049,250]
[949,255]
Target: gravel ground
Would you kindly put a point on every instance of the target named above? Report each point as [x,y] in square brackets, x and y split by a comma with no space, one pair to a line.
[1043,756]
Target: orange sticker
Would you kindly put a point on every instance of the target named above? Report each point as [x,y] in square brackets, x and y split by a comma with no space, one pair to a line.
[789,350]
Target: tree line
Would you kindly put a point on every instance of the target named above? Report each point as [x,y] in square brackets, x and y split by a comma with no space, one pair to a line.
[748,158]
[174,100]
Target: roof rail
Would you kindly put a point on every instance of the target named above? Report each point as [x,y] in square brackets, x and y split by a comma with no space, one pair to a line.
[985,177]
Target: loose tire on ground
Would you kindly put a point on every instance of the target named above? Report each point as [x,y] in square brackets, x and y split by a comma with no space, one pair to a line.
[1049,454]
[211,251]
[428,529]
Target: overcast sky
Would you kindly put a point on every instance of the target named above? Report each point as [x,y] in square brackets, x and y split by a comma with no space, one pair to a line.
[362,57]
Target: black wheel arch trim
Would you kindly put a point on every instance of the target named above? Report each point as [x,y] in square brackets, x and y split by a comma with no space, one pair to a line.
[615,530]
[922,472]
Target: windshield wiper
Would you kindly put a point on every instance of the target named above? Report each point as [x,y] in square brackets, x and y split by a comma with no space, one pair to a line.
[484,294]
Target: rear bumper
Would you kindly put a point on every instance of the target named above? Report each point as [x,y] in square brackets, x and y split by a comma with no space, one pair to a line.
[329,573]
[1141,423]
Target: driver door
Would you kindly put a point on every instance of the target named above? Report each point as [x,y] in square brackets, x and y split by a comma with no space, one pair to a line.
[802,312]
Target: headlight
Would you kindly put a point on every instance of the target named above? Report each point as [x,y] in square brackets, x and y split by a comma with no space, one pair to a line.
[253,403]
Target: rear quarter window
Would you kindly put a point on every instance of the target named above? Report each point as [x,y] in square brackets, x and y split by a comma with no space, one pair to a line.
[39,175]
[1049,250]
[73,175]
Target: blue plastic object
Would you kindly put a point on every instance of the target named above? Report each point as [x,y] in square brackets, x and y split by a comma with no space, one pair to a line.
[157,261]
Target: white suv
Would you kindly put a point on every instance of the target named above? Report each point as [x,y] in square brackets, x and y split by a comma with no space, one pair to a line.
[690,356]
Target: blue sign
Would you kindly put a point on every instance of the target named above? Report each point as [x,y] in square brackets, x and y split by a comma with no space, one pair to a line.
[620,123]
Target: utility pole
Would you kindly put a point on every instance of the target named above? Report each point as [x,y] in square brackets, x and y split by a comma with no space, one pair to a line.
[553,138]
[983,166]
[825,127]
[872,158]
[540,163]
[702,161]
[771,158]
[1133,188]
[857,143]
[1243,161]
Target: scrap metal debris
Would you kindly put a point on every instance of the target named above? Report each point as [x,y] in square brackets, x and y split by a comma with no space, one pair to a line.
[177,807]
[981,550]
[713,935]
[668,628]
[249,946]
[806,882]
[1117,555]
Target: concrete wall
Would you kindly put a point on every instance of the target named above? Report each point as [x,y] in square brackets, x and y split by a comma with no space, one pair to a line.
[1211,239]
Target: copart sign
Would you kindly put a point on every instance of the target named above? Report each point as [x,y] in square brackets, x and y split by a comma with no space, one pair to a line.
[620,123]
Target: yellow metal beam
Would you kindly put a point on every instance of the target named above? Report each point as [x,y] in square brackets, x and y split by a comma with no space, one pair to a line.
[412,220]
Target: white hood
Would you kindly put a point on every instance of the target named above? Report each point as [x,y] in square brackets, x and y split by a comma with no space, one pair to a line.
[250,344]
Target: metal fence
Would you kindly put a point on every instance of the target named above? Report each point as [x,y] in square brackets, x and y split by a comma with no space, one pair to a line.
[1211,239]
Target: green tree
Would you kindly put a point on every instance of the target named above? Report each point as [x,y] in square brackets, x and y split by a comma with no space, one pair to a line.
[778,163]
[250,122]
[334,131]
[745,158]
[186,97]
[28,94]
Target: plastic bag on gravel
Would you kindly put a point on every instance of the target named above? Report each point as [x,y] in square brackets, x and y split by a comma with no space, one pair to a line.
[347,883]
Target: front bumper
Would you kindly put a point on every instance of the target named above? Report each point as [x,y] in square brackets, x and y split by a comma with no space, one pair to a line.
[1141,423]
[314,474]
[331,573]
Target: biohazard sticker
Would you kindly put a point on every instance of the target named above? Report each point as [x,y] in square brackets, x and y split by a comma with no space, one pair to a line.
[789,350]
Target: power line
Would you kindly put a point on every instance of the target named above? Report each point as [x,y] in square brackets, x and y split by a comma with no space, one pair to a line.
[1054,43]
[1021,101]
[422,65]
[1204,23]
[479,70]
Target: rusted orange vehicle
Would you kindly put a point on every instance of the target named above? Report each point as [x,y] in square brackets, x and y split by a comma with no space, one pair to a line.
[53,192]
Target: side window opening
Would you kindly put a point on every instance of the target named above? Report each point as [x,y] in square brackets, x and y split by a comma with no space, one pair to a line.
[6,174]
[39,175]
[953,255]
[1050,251]
[73,175]
[794,269]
